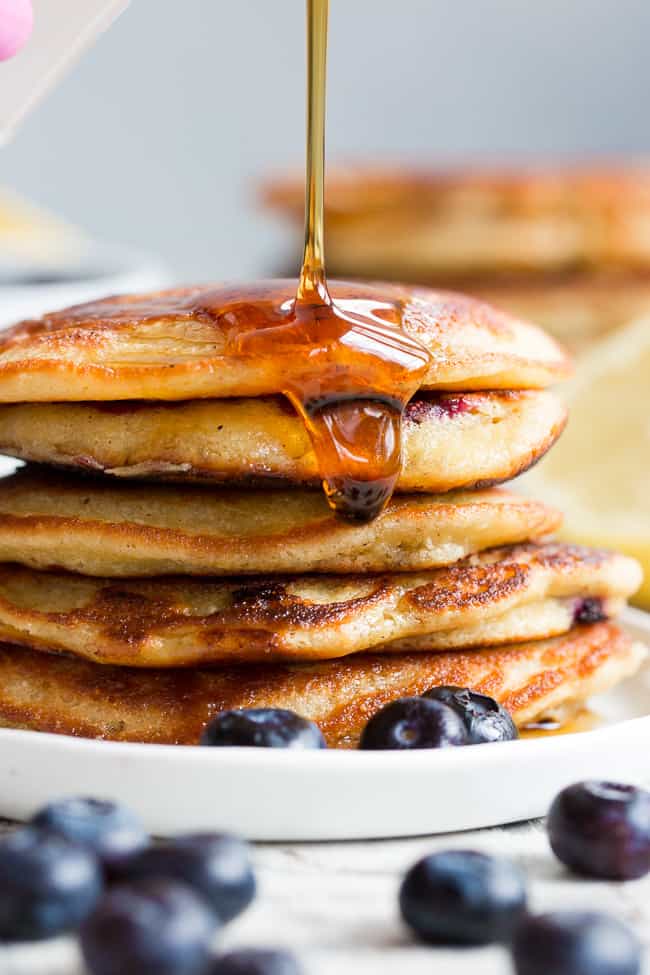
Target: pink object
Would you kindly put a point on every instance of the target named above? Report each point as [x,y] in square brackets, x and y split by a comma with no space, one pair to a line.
[16,20]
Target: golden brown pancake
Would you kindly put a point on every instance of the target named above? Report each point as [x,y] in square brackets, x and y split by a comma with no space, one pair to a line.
[42,692]
[129,529]
[449,440]
[505,595]
[173,344]
[406,223]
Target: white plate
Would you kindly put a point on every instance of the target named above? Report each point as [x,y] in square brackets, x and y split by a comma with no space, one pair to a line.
[284,795]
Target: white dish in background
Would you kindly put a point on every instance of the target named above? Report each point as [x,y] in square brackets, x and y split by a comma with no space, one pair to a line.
[283,795]
[104,270]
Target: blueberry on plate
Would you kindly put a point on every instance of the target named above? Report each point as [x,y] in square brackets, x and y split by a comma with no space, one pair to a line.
[256,961]
[111,831]
[216,866]
[575,943]
[484,717]
[157,927]
[262,728]
[47,885]
[602,829]
[463,897]
[413,722]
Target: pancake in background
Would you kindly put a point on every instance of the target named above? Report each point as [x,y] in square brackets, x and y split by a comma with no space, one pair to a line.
[46,693]
[406,222]
[135,346]
[449,440]
[129,529]
[166,622]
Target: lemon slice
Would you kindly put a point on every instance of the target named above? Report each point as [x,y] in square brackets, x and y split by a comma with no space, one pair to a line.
[599,472]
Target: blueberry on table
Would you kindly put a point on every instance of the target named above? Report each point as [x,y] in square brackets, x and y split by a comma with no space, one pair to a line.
[602,829]
[156,927]
[575,943]
[484,717]
[111,831]
[262,728]
[414,722]
[463,897]
[256,961]
[216,866]
[47,885]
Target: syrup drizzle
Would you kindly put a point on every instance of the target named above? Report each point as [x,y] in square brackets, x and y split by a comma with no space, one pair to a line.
[360,366]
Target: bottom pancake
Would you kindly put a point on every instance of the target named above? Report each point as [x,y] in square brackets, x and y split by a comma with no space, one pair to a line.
[43,692]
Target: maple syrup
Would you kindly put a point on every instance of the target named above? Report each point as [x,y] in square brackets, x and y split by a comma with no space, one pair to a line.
[361,368]
[582,720]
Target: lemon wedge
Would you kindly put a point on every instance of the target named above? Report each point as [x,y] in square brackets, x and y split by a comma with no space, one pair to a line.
[599,472]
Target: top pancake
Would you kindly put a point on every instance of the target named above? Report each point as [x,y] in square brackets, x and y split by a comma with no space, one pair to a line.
[171,345]
[406,221]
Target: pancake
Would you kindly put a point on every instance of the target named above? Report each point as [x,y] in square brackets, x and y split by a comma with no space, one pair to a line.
[449,441]
[42,692]
[406,222]
[129,529]
[181,621]
[134,347]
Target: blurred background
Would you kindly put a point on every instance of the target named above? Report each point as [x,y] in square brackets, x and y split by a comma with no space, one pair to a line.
[159,135]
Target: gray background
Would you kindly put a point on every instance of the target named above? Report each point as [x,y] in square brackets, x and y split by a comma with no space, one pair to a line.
[160,134]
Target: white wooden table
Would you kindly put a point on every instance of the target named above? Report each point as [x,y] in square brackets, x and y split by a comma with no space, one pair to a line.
[335,904]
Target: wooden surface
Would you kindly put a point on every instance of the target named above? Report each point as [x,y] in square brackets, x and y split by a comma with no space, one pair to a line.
[336,905]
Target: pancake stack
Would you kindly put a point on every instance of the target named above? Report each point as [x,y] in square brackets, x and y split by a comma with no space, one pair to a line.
[567,246]
[167,551]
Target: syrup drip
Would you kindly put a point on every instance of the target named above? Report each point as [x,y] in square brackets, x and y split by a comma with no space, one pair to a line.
[360,367]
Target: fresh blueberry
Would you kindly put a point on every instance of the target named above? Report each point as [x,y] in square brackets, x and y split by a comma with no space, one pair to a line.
[216,866]
[602,829]
[155,927]
[257,961]
[47,885]
[414,722]
[590,609]
[484,717]
[463,897]
[575,943]
[111,831]
[262,728]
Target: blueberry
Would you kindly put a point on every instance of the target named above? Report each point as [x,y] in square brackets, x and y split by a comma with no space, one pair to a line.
[463,897]
[257,961]
[262,728]
[575,943]
[111,831]
[602,829]
[414,722]
[156,927]
[589,610]
[484,717]
[47,885]
[216,866]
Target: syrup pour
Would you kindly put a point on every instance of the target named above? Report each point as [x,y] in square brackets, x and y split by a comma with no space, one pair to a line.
[360,366]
